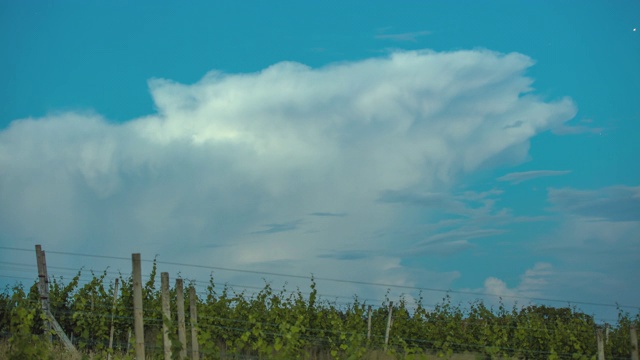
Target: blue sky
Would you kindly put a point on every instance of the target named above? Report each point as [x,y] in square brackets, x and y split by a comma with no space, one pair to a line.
[483,147]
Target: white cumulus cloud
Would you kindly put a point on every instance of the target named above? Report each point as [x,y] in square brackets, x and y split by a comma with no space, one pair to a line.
[230,170]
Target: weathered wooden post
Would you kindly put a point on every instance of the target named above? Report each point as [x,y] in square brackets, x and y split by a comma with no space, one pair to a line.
[389,320]
[137,306]
[369,323]
[113,310]
[195,351]
[182,336]
[600,339]
[166,314]
[43,287]
[50,320]
[633,334]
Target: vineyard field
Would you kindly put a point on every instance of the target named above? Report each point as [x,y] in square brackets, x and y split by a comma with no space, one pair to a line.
[282,324]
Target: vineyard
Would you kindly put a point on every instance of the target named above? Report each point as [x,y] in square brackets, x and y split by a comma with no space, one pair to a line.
[281,324]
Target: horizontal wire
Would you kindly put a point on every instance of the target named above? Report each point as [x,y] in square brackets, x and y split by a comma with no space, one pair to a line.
[355,282]
[322,298]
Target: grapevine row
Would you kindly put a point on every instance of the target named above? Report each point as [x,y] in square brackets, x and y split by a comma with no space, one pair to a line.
[289,325]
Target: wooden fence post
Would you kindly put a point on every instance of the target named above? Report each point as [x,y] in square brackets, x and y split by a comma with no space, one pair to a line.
[137,306]
[113,310]
[195,351]
[369,323]
[50,320]
[43,287]
[166,314]
[389,319]
[633,334]
[182,336]
[600,340]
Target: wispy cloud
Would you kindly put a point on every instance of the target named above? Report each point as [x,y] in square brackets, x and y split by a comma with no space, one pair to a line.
[441,201]
[615,203]
[403,37]
[281,227]
[468,203]
[518,177]
[459,234]
[449,242]
[347,255]
[514,125]
[577,129]
[586,126]
[328,214]
[596,241]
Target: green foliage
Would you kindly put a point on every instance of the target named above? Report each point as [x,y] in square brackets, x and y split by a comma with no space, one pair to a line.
[23,343]
[5,306]
[90,324]
[618,342]
[279,324]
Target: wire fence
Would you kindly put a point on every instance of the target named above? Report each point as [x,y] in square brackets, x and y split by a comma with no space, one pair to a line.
[237,295]
[262,274]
